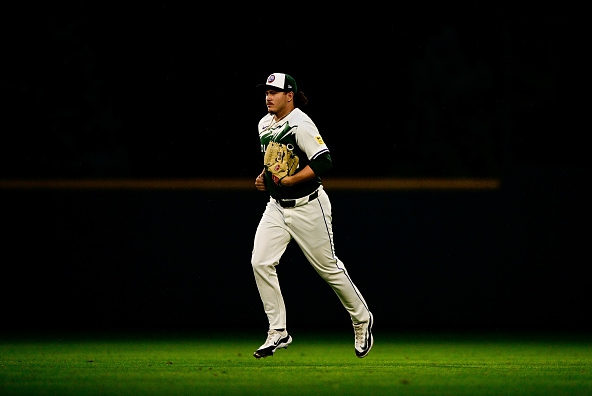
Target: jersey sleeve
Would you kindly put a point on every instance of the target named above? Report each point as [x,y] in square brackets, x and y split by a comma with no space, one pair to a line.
[321,164]
[309,140]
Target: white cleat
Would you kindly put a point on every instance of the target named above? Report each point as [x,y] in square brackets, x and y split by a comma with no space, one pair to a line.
[275,340]
[364,339]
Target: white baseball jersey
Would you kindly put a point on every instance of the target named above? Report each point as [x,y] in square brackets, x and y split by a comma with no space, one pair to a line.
[299,133]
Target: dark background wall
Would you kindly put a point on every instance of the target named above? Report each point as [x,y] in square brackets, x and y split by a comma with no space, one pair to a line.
[516,257]
[166,91]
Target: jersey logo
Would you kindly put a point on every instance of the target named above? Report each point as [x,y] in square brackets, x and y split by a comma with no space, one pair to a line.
[319,139]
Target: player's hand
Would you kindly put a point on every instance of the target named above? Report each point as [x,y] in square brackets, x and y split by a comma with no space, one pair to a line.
[260,183]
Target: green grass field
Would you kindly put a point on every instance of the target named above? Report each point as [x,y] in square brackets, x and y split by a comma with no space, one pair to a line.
[404,363]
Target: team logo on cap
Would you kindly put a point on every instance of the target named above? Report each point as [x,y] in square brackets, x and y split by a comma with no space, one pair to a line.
[271,79]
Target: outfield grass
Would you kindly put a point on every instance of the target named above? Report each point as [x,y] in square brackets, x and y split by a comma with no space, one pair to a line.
[169,363]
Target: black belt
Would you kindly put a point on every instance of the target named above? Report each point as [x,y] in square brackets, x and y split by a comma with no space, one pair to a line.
[290,203]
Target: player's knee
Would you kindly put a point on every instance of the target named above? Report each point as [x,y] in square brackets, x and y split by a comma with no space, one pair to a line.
[261,264]
[255,261]
[258,263]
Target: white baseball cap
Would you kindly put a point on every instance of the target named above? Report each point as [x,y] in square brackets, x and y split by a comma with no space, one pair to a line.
[280,82]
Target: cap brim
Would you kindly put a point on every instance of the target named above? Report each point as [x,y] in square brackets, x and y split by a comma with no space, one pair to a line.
[270,87]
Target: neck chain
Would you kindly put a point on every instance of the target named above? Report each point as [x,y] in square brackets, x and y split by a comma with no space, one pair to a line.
[274,121]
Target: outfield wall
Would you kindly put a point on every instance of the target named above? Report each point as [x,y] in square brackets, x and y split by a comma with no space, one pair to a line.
[502,253]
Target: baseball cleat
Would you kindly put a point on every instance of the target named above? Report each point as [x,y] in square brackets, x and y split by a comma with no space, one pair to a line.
[364,339]
[275,340]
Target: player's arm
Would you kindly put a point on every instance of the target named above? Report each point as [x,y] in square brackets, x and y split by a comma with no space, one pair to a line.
[317,167]
[303,175]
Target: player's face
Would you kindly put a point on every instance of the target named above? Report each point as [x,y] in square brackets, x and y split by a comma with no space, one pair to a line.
[277,102]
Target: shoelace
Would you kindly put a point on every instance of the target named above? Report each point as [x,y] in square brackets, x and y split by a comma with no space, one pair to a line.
[360,333]
[271,334]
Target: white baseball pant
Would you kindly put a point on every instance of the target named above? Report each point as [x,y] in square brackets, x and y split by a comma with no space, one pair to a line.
[309,224]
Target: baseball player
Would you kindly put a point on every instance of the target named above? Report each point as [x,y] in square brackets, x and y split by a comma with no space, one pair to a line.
[295,156]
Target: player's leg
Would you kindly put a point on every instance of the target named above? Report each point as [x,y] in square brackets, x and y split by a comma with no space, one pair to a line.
[313,231]
[271,240]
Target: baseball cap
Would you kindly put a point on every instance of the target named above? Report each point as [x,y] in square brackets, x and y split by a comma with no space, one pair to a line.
[280,82]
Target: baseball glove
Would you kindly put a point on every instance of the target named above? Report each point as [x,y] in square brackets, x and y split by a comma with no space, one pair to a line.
[280,160]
